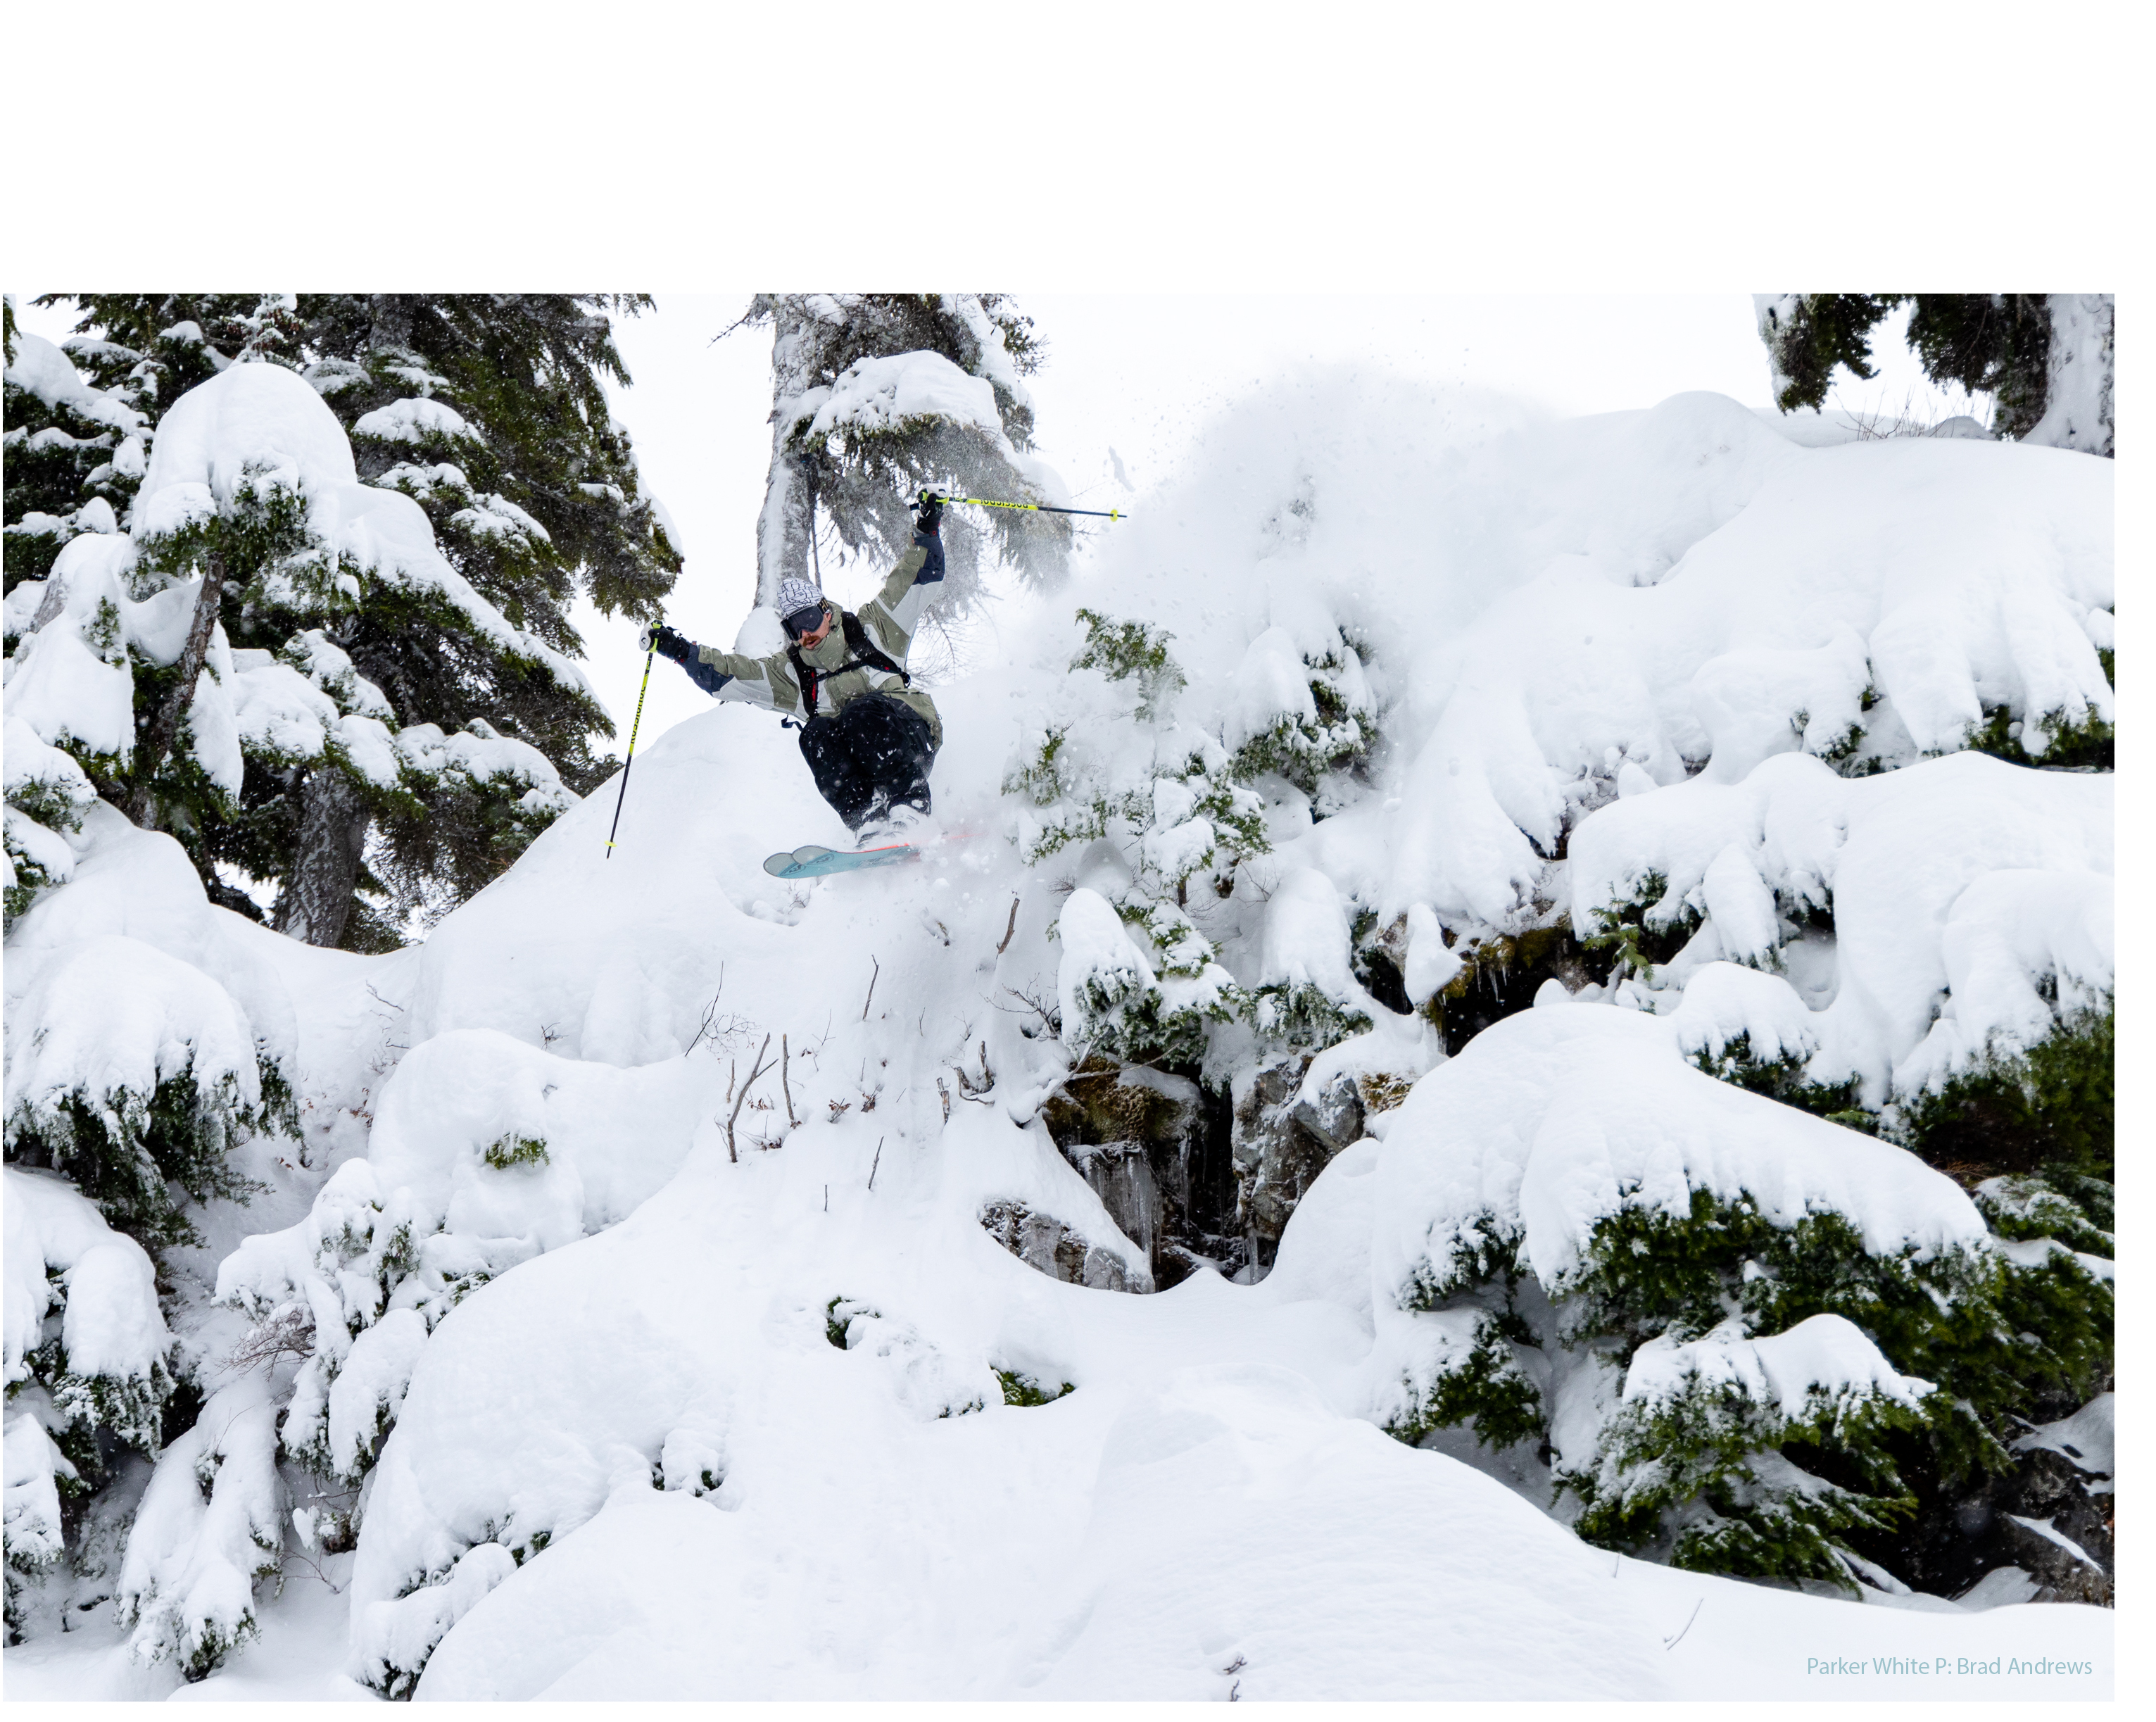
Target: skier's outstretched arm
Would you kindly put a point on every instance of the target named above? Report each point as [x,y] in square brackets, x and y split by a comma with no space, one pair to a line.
[730,675]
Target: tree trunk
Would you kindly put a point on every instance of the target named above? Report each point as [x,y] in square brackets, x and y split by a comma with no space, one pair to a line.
[2078,375]
[785,529]
[389,323]
[159,742]
[333,824]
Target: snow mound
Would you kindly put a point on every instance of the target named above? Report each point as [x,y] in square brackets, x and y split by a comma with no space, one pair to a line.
[251,426]
[118,1018]
[1556,1119]
[1662,589]
[142,977]
[48,373]
[1971,904]
[1822,1356]
[60,1250]
[880,393]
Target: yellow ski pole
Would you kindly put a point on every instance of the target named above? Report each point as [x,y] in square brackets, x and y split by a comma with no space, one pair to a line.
[630,758]
[1037,507]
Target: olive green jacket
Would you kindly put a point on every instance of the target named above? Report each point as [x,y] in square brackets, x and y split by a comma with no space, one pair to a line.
[890,618]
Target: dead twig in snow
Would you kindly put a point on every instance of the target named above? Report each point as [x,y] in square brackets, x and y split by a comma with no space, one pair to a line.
[1051,1015]
[873,1164]
[785,1081]
[726,1031]
[873,973]
[946,1094]
[289,1334]
[1009,930]
[755,1070]
[315,1567]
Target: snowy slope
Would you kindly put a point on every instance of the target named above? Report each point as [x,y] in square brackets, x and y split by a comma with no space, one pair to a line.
[670,1415]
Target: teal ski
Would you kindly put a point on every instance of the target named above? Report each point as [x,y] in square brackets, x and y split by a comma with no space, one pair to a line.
[812,860]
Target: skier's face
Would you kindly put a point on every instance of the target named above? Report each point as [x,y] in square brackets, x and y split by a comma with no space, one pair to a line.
[817,635]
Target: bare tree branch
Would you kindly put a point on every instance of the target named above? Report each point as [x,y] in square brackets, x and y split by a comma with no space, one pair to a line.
[755,1070]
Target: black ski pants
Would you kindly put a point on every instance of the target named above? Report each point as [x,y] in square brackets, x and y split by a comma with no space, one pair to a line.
[875,754]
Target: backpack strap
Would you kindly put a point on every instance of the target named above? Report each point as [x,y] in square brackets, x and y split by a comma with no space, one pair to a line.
[867,651]
[866,656]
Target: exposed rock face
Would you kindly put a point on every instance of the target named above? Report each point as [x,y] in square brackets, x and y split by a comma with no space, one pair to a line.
[1288,1127]
[1153,1146]
[1335,1116]
[2058,1532]
[1122,1175]
[1042,1241]
[1277,1156]
[1501,972]
[2050,1519]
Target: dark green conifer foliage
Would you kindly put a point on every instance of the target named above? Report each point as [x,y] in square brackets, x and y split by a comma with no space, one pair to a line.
[144,1165]
[1989,343]
[2051,1108]
[530,486]
[1698,1479]
[57,462]
[1826,331]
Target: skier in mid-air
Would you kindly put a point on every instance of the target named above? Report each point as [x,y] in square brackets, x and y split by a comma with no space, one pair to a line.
[868,734]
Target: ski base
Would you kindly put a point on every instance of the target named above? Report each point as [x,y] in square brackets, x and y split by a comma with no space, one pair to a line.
[813,860]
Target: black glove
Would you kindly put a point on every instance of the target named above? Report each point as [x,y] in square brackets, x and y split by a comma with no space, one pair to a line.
[928,513]
[664,640]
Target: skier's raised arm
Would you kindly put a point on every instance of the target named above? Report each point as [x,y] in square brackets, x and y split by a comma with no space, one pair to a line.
[895,612]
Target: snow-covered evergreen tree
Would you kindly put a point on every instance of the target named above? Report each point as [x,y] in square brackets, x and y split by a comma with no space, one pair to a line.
[874,394]
[488,412]
[1183,948]
[73,453]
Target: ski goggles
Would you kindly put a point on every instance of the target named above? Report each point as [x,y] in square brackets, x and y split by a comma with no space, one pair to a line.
[802,621]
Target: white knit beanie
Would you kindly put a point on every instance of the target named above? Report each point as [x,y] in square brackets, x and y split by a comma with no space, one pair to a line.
[797,595]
